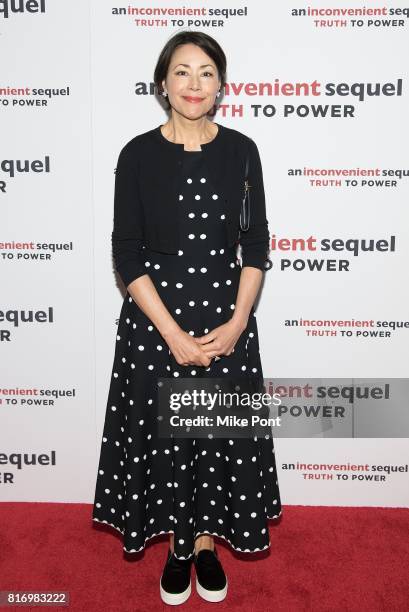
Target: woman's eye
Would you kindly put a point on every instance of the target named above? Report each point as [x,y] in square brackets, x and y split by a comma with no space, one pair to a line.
[184,72]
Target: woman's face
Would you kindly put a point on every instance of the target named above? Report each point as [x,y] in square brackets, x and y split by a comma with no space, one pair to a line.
[192,81]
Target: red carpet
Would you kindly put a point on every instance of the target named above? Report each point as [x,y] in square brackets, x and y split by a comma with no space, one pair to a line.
[321,558]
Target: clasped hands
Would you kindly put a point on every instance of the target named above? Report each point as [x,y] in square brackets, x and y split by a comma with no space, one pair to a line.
[221,340]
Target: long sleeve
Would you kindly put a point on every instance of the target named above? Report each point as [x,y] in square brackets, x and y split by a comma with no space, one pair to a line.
[255,241]
[127,234]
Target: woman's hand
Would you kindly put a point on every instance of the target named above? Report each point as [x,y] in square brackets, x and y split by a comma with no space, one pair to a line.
[185,349]
[222,339]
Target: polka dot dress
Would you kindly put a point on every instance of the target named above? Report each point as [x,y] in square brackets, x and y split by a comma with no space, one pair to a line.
[148,485]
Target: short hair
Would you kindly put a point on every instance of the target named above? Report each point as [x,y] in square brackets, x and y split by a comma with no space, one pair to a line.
[208,44]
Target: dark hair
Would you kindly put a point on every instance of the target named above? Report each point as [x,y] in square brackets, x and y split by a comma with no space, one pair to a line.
[208,44]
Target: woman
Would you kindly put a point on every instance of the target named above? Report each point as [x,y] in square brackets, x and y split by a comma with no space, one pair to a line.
[188,312]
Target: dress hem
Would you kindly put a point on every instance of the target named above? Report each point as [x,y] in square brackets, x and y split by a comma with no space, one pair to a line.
[135,550]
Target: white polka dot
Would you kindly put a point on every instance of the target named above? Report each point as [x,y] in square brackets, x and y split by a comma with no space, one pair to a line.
[202,236]
[191,236]
[215,196]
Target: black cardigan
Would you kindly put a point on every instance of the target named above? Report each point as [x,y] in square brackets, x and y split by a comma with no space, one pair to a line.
[146,197]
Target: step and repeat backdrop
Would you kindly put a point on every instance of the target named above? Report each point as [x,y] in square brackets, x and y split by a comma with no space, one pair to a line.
[323,90]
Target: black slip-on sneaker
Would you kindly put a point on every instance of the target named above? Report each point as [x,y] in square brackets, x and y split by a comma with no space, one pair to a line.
[211,581]
[175,584]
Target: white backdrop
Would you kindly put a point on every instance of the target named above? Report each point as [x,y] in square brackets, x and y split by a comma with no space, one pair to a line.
[75,86]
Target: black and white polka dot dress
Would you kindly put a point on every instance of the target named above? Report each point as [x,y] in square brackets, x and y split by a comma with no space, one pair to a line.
[148,485]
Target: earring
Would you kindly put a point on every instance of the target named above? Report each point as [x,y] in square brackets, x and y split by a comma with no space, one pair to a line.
[218,93]
[164,93]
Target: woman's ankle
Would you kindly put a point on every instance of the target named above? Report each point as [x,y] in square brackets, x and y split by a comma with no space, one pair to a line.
[204,542]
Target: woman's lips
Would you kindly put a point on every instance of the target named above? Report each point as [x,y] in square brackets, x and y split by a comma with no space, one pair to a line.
[193,100]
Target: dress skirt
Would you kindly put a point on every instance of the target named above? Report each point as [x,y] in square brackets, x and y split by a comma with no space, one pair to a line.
[148,484]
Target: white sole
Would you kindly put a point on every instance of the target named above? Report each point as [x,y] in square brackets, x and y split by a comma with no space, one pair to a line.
[211,595]
[174,599]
